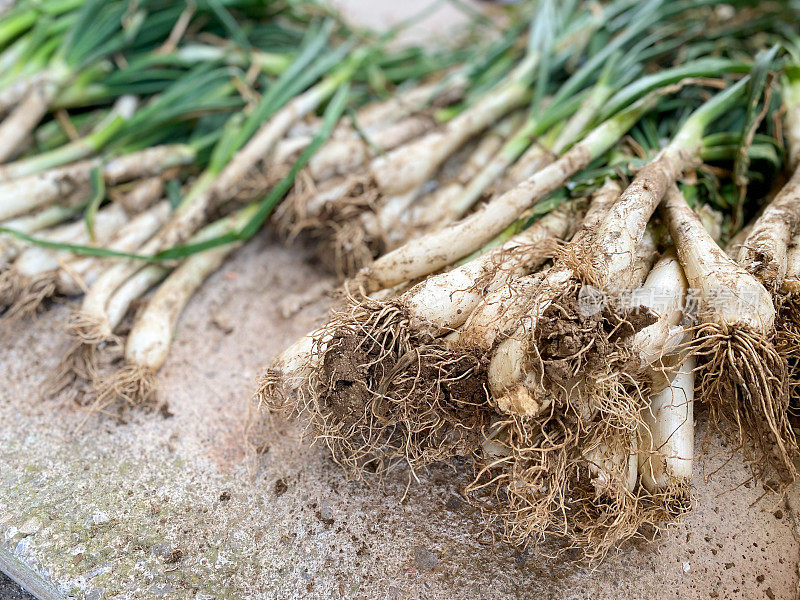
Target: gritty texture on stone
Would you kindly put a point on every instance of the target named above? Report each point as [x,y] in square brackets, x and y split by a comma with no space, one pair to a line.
[177,508]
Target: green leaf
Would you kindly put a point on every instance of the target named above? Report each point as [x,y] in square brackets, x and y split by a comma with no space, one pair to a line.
[98,195]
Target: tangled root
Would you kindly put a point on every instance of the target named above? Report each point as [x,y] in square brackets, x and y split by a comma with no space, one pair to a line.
[586,352]
[334,225]
[745,382]
[79,368]
[349,247]
[30,293]
[132,386]
[787,343]
[538,486]
[383,396]
[12,283]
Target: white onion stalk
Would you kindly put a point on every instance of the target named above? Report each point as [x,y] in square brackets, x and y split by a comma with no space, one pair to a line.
[25,194]
[611,265]
[122,111]
[10,246]
[764,252]
[15,128]
[415,163]
[347,151]
[436,250]
[741,375]
[340,156]
[149,341]
[412,101]
[501,311]
[31,278]
[666,446]
[77,274]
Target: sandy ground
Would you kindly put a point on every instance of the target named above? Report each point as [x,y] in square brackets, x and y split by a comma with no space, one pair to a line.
[173,507]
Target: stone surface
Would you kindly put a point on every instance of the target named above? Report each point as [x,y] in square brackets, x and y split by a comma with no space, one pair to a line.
[176,507]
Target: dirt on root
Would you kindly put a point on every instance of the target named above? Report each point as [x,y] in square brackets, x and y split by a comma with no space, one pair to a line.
[414,404]
[572,341]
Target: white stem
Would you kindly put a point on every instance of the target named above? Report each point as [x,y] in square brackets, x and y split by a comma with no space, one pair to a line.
[499,314]
[729,295]
[130,291]
[341,156]
[667,434]
[764,251]
[10,246]
[80,272]
[443,302]
[435,251]
[625,224]
[517,390]
[791,283]
[149,340]
[38,259]
[664,293]
[28,193]
[415,163]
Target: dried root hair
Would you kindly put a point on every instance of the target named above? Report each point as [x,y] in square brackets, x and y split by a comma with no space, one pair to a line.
[131,386]
[744,380]
[537,487]
[572,345]
[25,296]
[335,228]
[12,282]
[384,396]
[79,368]
[787,343]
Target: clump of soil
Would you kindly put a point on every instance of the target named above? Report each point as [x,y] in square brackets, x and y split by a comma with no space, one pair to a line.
[386,397]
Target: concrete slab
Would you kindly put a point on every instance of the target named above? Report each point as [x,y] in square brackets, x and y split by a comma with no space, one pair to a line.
[177,508]
[172,507]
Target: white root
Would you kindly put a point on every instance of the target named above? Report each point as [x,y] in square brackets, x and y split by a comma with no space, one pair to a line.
[666,448]
[764,251]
